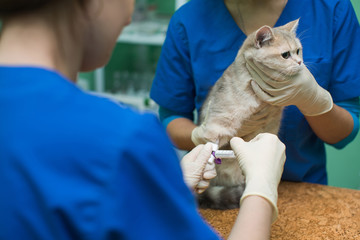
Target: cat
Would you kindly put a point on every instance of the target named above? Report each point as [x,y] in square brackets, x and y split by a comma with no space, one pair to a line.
[232,108]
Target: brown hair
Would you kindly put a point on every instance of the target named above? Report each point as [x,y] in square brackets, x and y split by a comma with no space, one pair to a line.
[15,6]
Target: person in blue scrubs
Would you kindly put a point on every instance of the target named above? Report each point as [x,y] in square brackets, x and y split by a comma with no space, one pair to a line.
[203,39]
[77,166]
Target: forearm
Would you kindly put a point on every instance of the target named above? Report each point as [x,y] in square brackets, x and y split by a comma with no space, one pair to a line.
[179,131]
[254,220]
[332,126]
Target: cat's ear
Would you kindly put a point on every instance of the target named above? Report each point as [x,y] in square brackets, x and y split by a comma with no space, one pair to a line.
[291,26]
[263,36]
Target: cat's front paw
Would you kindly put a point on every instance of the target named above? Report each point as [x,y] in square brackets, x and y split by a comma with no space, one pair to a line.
[201,135]
[211,133]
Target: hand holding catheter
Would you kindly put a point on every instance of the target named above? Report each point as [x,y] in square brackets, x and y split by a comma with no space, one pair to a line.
[216,154]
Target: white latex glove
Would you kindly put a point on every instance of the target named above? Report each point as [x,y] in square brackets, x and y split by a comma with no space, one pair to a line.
[262,161]
[197,171]
[210,133]
[300,89]
[197,135]
[209,173]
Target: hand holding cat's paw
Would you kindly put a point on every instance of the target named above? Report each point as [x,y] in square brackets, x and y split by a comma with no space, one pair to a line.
[196,135]
[202,135]
[299,89]
[262,160]
[194,166]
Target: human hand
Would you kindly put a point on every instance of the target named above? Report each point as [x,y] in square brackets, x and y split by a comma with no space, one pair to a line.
[197,171]
[300,89]
[197,135]
[262,160]
[213,133]
[203,134]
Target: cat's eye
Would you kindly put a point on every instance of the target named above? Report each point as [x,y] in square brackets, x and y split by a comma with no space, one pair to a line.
[286,55]
[298,51]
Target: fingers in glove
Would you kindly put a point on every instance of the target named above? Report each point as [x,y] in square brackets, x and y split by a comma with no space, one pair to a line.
[202,135]
[259,77]
[205,152]
[236,144]
[200,152]
[257,73]
[272,77]
[277,97]
[201,158]
[196,135]
[193,154]
[200,190]
[259,92]
[267,138]
[209,172]
[270,86]
[202,186]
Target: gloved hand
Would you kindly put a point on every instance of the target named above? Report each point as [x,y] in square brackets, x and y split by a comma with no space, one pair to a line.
[209,173]
[262,161]
[300,89]
[197,171]
[197,135]
[210,133]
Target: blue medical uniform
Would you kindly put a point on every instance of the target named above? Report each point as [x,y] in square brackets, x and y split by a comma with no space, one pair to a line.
[203,40]
[78,166]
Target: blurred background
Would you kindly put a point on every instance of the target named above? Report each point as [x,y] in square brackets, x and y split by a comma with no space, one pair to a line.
[128,78]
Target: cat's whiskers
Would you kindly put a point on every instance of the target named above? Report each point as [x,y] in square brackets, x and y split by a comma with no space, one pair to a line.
[302,35]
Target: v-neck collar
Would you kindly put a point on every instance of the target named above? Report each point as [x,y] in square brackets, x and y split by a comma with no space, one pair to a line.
[283,18]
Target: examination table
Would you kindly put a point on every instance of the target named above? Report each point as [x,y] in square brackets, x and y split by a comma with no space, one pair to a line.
[306,211]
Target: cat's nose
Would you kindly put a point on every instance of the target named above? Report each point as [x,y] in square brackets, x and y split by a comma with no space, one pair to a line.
[299,62]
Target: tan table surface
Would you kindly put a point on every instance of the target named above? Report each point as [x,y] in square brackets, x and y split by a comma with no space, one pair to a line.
[306,211]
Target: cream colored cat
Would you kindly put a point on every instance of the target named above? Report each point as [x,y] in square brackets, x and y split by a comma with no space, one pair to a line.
[232,108]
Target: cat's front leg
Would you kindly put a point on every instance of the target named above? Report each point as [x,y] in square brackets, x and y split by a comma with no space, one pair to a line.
[212,133]
[200,135]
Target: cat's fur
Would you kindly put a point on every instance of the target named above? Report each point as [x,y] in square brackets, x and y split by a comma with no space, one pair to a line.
[232,108]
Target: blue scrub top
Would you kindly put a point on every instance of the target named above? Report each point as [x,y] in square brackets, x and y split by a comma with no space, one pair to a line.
[78,166]
[203,40]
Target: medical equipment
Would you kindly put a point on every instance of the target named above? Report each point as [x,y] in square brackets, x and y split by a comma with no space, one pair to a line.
[224,154]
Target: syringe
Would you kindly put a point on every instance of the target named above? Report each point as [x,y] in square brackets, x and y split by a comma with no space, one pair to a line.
[224,154]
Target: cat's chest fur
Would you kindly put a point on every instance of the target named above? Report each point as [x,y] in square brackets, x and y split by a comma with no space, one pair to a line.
[232,108]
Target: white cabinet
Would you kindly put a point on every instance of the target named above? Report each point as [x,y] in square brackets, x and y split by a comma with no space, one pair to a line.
[145,30]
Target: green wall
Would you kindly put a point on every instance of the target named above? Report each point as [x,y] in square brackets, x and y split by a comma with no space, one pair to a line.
[344,165]
[356,4]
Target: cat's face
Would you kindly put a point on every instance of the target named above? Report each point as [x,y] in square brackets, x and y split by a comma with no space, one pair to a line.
[278,48]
